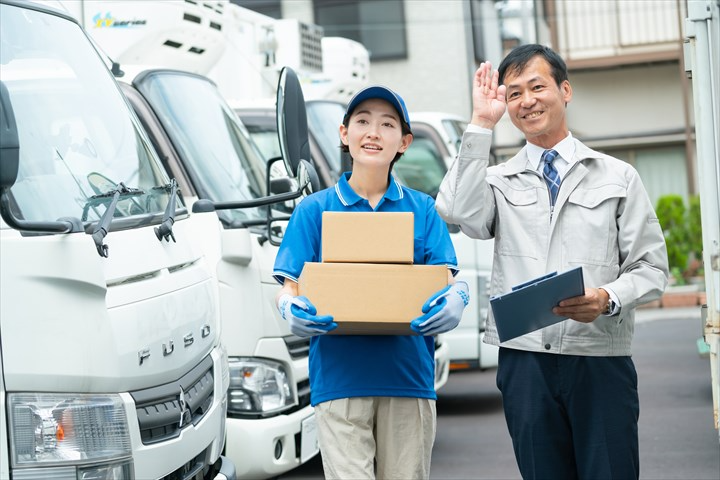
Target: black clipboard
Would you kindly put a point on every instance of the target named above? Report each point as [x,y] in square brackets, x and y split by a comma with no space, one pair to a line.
[528,306]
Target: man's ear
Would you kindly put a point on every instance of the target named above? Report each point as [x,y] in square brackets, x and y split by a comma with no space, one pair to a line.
[406,141]
[343,135]
[567,92]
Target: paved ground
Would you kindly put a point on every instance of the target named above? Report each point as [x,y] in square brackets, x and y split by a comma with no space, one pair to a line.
[677,437]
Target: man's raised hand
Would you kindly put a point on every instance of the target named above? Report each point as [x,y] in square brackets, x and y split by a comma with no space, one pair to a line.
[488,98]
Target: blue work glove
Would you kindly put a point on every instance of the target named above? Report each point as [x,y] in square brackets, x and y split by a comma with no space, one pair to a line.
[302,316]
[442,311]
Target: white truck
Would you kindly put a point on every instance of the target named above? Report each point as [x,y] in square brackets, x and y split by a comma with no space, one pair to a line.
[270,423]
[110,353]
[702,62]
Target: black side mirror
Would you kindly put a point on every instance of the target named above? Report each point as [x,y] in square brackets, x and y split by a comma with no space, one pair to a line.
[307,176]
[292,125]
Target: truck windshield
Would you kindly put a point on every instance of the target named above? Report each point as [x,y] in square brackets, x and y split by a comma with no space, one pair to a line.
[324,119]
[78,138]
[216,149]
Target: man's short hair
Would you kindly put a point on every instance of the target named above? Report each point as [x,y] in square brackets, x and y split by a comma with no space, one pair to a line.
[519,57]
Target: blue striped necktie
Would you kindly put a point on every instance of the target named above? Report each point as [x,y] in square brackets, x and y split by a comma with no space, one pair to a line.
[550,173]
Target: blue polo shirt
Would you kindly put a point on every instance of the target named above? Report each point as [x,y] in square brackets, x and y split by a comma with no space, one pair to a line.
[343,366]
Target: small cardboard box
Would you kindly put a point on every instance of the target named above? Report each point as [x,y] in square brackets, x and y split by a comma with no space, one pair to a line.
[367,237]
[371,299]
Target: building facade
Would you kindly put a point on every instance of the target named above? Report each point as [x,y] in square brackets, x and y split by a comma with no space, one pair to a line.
[631,96]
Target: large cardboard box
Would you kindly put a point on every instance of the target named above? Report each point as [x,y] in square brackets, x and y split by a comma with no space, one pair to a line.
[371,299]
[367,237]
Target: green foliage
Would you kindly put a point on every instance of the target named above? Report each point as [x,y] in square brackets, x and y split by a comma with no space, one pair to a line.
[695,227]
[683,234]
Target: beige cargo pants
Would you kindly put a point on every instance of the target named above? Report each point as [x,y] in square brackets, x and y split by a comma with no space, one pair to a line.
[376,437]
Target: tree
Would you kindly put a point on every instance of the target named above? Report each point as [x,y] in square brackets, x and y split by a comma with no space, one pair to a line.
[683,234]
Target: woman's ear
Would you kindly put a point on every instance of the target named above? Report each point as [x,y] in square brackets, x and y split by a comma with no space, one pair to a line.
[405,143]
[343,135]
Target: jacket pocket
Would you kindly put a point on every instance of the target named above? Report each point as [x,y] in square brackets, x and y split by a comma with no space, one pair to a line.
[516,230]
[589,225]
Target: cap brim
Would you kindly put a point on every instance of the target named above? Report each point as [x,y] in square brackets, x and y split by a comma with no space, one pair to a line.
[382,93]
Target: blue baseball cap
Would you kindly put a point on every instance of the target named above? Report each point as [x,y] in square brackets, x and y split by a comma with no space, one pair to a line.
[383,93]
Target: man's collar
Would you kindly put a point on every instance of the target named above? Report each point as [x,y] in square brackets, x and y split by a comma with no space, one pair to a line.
[565,148]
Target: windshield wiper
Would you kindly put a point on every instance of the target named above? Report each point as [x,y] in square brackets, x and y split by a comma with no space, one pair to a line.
[164,231]
[101,229]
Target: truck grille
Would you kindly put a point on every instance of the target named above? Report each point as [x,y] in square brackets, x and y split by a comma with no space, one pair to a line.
[165,410]
[192,470]
[298,347]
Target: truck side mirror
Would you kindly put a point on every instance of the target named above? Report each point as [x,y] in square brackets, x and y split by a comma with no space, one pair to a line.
[307,176]
[9,141]
[292,127]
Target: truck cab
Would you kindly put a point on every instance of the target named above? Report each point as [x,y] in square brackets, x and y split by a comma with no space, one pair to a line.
[270,423]
[110,352]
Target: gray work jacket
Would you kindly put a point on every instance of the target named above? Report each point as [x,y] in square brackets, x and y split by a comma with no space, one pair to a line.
[602,220]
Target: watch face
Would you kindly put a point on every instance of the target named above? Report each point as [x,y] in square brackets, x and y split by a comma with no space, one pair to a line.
[610,308]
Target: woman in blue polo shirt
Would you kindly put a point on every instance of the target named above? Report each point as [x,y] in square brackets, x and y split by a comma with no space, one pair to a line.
[374,396]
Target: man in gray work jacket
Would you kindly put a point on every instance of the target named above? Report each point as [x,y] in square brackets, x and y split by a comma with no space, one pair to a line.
[569,390]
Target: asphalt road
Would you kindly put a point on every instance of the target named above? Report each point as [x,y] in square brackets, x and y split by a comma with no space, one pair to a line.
[677,438]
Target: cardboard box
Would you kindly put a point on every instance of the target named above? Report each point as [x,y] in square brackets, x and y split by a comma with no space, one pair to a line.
[371,299]
[367,237]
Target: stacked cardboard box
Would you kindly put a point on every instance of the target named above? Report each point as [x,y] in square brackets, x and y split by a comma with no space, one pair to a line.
[367,281]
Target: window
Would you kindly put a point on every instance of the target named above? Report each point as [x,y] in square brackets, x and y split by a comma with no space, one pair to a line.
[517,23]
[378,24]
[662,169]
[421,167]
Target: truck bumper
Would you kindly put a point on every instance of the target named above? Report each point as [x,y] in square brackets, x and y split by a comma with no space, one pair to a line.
[267,447]
[226,470]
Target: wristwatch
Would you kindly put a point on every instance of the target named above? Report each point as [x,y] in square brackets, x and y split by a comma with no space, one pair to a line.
[610,307]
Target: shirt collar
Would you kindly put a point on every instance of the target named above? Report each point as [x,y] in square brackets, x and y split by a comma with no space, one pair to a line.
[565,149]
[348,196]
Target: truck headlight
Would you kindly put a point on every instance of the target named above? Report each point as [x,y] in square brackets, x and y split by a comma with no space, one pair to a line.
[258,386]
[67,429]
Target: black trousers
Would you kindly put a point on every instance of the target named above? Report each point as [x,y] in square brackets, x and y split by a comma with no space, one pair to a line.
[571,417]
